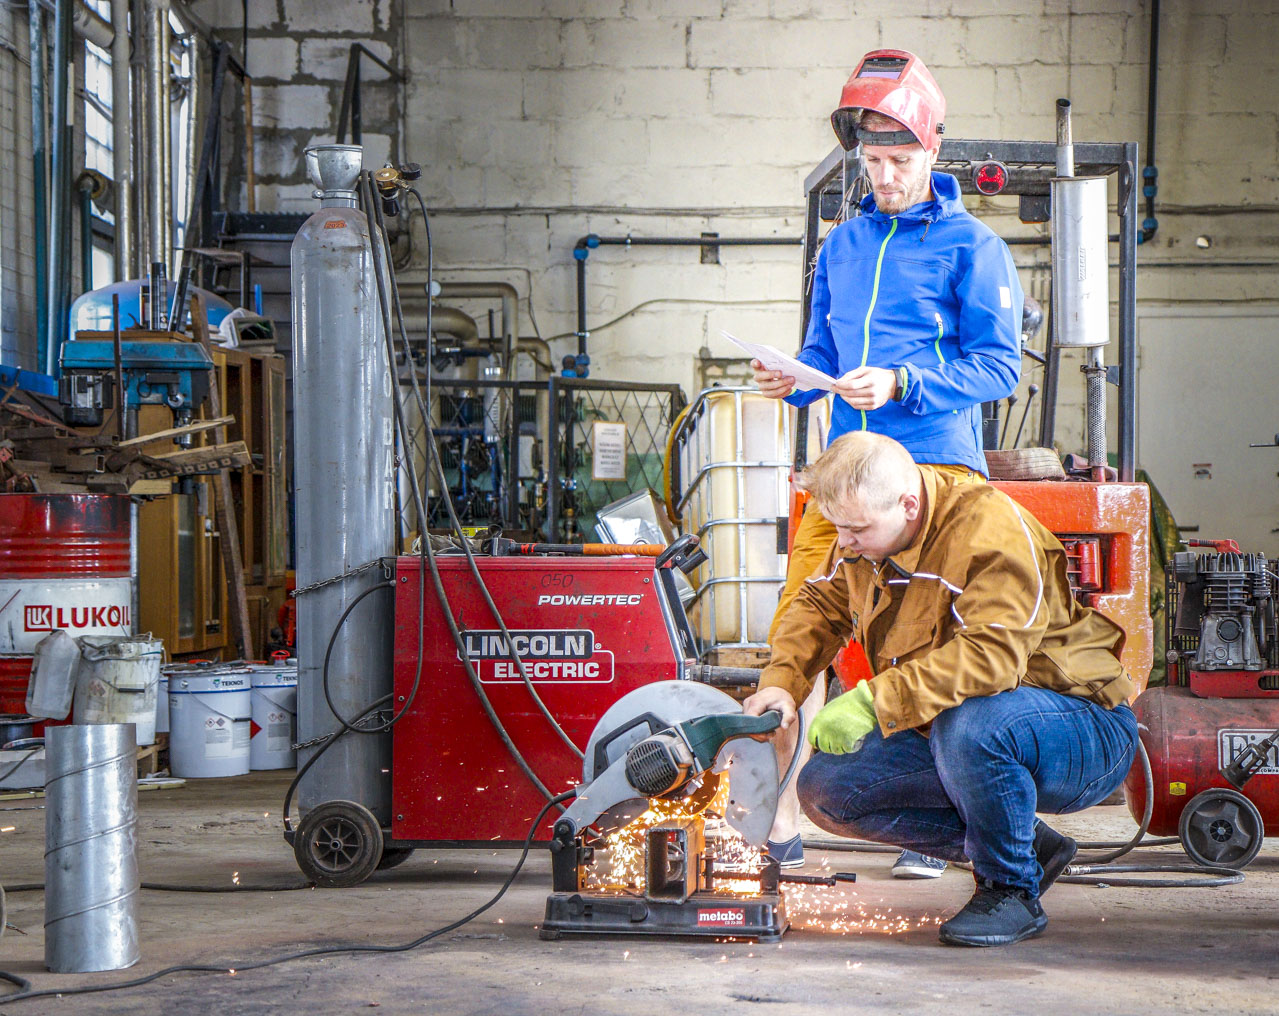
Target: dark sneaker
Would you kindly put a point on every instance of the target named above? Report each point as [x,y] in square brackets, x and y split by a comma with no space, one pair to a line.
[996,915]
[787,853]
[1054,852]
[909,864]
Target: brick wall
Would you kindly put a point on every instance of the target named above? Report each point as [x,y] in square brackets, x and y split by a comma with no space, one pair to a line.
[537,121]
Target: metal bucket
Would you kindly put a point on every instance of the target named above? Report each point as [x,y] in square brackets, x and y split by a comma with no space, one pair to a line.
[117,682]
[209,718]
[90,861]
[275,707]
[64,564]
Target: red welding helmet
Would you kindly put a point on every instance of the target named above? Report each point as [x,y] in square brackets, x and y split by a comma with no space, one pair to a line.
[898,85]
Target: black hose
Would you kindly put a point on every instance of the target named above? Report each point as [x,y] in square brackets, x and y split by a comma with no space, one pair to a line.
[20,763]
[24,993]
[427,551]
[423,408]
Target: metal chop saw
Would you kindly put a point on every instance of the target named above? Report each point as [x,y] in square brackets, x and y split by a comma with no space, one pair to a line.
[673,741]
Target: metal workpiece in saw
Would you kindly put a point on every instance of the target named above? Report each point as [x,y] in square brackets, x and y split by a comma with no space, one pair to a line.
[672,741]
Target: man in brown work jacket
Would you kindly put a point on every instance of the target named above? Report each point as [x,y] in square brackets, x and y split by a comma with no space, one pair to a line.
[996,694]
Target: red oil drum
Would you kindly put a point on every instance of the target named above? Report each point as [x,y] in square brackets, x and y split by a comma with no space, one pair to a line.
[1189,739]
[64,563]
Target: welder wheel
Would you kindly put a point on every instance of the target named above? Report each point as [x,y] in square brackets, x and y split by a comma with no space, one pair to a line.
[1221,828]
[393,857]
[338,844]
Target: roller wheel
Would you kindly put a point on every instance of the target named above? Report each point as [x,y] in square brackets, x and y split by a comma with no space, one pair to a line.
[393,857]
[338,844]
[1221,828]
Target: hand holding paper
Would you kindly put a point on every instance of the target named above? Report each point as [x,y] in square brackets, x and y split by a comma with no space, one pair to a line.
[772,358]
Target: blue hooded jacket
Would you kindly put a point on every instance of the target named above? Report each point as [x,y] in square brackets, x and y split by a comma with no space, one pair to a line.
[932,290]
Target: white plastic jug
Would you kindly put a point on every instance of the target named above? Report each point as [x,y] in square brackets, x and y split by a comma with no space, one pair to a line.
[53,676]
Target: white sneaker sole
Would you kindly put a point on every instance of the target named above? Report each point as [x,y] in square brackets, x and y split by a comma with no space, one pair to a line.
[914,872]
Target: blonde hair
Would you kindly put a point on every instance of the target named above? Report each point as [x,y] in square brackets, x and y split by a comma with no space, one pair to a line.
[872,467]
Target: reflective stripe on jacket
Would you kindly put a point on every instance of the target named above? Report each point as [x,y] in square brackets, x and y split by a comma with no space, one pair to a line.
[932,290]
[976,605]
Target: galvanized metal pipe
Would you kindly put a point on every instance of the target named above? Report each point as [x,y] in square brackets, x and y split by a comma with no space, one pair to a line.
[141,160]
[90,860]
[40,170]
[157,67]
[121,144]
[166,134]
[89,24]
[59,275]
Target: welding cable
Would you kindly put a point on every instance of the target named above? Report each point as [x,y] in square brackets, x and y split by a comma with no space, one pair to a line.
[423,405]
[427,551]
[24,993]
[423,408]
[173,887]
[794,759]
[20,763]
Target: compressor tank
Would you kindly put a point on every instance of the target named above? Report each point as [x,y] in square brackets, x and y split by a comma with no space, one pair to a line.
[343,476]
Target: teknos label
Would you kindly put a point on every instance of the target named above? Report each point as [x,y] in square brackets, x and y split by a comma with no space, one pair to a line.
[30,609]
[721,917]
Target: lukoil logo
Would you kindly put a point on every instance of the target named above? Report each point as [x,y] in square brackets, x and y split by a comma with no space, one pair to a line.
[47,617]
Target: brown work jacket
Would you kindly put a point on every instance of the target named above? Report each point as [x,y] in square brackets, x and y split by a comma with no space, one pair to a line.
[976,605]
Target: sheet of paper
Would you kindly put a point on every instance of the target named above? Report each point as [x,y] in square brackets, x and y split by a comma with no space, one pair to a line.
[772,358]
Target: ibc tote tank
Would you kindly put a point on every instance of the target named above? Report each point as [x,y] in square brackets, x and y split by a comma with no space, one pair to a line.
[343,476]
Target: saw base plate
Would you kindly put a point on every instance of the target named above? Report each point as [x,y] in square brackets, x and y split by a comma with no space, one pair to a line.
[705,914]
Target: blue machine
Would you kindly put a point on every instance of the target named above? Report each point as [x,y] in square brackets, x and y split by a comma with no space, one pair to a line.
[153,371]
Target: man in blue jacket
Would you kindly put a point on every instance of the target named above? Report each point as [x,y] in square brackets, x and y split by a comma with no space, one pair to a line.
[915,309]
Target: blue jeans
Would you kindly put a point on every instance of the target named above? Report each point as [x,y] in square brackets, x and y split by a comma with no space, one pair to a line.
[970,790]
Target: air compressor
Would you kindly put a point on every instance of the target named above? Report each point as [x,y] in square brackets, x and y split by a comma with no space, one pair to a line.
[1214,766]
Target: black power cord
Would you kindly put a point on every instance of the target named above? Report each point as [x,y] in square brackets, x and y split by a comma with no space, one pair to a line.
[25,993]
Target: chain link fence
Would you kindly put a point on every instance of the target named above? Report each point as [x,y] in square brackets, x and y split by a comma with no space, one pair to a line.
[510,460]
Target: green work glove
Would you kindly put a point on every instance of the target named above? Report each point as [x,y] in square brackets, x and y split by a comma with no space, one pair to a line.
[841,726]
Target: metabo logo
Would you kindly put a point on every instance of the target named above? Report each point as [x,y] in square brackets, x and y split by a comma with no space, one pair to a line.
[550,656]
[725,917]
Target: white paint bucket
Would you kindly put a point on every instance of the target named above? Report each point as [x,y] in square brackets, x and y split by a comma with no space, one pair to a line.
[117,681]
[209,716]
[275,707]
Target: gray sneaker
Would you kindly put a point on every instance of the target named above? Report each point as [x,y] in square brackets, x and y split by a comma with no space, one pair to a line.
[910,864]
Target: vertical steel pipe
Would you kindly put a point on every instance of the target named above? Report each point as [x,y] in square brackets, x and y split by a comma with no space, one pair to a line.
[121,134]
[157,69]
[90,860]
[141,160]
[40,169]
[59,275]
[166,134]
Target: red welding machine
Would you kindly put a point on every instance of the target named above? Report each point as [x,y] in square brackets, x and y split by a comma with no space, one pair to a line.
[1219,709]
[589,631]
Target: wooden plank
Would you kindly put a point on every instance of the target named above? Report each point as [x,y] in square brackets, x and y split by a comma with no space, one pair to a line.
[190,428]
[232,558]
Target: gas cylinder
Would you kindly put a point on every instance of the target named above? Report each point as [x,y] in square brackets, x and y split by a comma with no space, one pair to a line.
[343,476]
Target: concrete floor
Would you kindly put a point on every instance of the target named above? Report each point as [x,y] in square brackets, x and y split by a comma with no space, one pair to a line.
[1112,951]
